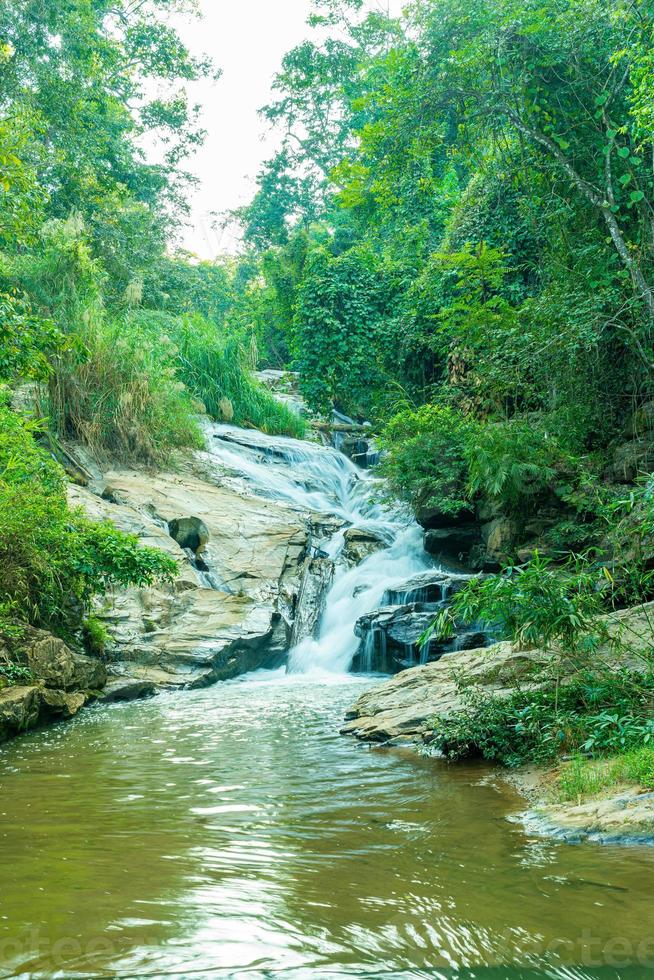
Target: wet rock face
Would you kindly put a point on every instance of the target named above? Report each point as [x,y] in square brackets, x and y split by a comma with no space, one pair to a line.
[391,639]
[390,636]
[431,586]
[60,683]
[230,611]
[360,544]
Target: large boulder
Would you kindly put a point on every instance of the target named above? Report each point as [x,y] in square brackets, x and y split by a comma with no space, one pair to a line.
[54,664]
[404,705]
[190,533]
[19,710]
[60,682]
[234,614]
[499,536]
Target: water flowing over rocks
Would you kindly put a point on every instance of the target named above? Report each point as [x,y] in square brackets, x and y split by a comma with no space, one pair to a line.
[392,636]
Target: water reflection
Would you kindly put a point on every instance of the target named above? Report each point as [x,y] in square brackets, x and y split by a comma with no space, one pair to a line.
[232,830]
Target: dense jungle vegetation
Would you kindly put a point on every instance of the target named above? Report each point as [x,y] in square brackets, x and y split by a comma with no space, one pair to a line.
[454,240]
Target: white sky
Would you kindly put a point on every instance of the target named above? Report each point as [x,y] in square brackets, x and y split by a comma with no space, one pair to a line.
[247,39]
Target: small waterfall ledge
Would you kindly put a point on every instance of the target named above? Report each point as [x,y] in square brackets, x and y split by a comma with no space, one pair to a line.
[287,556]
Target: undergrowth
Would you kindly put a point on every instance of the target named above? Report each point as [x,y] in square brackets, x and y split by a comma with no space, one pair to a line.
[584,778]
[53,559]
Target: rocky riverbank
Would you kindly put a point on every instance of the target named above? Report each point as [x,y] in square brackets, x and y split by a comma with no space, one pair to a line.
[402,711]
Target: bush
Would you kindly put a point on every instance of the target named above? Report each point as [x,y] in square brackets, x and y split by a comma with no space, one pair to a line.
[425,458]
[539,725]
[514,463]
[121,394]
[53,560]
[537,604]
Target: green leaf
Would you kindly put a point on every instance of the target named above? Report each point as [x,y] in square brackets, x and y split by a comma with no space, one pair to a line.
[624,152]
[636,196]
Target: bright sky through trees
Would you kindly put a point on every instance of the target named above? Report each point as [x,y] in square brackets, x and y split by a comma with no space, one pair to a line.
[247,40]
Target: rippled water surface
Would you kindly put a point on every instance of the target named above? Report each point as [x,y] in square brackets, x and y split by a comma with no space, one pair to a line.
[232,833]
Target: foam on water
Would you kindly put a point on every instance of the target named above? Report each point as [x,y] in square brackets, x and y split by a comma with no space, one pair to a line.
[321,480]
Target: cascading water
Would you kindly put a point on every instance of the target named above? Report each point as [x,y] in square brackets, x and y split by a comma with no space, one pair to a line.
[324,481]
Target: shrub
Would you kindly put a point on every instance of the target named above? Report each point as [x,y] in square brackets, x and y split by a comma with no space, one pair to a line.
[539,725]
[425,457]
[95,636]
[120,394]
[513,462]
[53,560]
[537,604]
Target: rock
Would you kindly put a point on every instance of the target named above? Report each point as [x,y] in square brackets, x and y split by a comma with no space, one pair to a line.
[60,704]
[361,544]
[55,665]
[191,634]
[453,544]
[391,638]
[317,579]
[19,710]
[128,689]
[499,537]
[405,704]
[627,818]
[630,460]
[431,586]
[432,517]
[190,533]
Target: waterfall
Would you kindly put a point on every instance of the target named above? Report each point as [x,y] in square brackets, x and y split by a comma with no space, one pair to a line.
[320,480]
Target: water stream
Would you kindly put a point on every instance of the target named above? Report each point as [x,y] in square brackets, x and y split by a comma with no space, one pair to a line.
[323,480]
[232,833]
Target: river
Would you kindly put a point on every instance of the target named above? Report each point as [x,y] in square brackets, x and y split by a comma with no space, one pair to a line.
[231,832]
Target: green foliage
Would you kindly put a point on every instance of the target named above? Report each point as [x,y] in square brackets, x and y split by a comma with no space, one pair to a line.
[27,342]
[121,393]
[336,330]
[54,560]
[13,674]
[425,457]
[514,463]
[215,369]
[95,636]
[539,725]
[582,778]
[539,604]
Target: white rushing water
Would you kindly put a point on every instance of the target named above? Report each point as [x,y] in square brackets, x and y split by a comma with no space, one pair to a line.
[321,480]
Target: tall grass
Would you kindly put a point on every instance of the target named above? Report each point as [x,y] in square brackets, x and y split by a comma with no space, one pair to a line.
[585,778]
[120,395]
[216,370]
